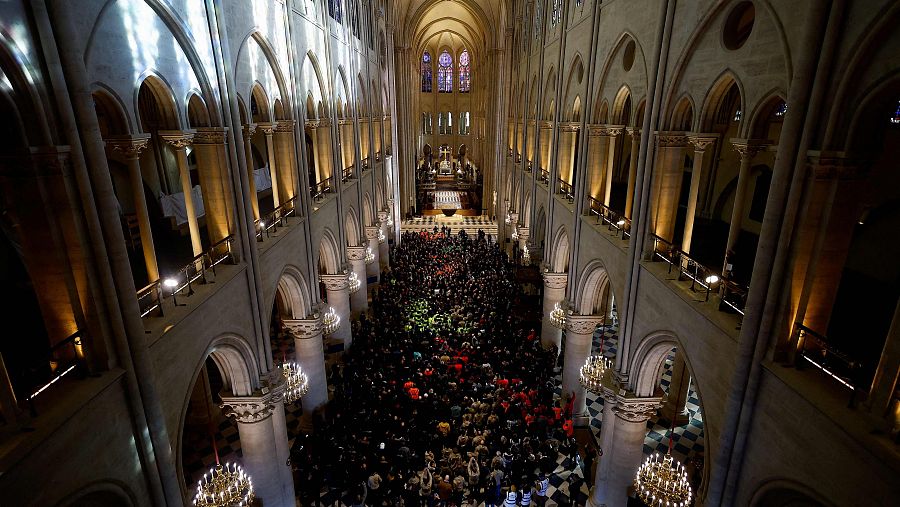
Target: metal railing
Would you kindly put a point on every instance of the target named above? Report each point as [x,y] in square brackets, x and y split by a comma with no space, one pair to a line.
[277,218]
[544,176]
[321,188]
[815,349]
[731,295]
[365,164]
[62,359]
[613,220]
[528,167]
[197,271]
[565,188]
[347,173]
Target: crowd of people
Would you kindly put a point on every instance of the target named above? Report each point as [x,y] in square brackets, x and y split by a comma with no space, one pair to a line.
[445,397]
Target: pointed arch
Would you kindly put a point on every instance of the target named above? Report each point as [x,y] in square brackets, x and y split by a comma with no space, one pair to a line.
[593,289]
[291,298]
[721,98]
[683,115]
[622,106]
[329,256]
[426,70]
[155,105]
[769,110]
[110,112]
[259,104]
[197,112]
[559,262]
[352,230]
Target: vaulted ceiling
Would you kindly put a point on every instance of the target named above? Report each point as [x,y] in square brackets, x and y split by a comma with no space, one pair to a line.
[475,24]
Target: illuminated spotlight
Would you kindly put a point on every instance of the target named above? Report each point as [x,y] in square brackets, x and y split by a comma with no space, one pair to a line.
[711,279]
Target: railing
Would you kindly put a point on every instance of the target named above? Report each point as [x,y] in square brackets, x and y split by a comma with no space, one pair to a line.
[347,173]
[731,295]
[365,164]
[377,156]
[544,176]
[62,359]
[614,221]
[321,188]
[815,349]
[565,188]
[528,167]
[277,218]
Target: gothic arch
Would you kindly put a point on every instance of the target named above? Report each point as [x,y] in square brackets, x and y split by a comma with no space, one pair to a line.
[368,214]
[559,262]
[592,289]
[715,96]
[271,59]
[164,97]
[23,96]
[762,114]
[683,115]
[352,228]
[105,493]
[621,115]
[329,256]
[197,113]
[291,294]
[783,492]
[110,112]
[261,98]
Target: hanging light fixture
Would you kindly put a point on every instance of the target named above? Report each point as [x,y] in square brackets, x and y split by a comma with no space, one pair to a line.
[226,486]
[661,481]
[558,316]
[354,282]
[297,382]
[331,321]
[370,257]
[592,373]
[381,237]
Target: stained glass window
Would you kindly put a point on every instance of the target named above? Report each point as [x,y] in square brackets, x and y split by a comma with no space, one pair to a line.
[896,119]
[426,72]
[537,20]
[445,72]
[465,76]
[464,124]
[335,10]
[556,14]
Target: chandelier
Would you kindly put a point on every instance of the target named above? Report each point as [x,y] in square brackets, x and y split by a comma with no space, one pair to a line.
[558,316]
[354,282]
[508,217]
[526,255]
[380,236]
[515,235]
[297,382]
[370,257]
[331,321]
[661,481]
[224,486]
[593,371]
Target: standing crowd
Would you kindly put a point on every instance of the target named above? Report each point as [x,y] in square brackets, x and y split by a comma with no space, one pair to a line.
[445,398]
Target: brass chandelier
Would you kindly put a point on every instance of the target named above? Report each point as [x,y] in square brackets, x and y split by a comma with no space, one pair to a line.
[297,382]
[558,316]
[354,282]
[331,321]
[224,487]
[663,482]
[592,373]
[370,257]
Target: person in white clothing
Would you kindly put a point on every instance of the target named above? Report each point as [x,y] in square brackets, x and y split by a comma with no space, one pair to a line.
[511,497]
[526,498]
[540,489]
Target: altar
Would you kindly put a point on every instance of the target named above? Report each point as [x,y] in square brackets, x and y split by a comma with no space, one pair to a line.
[445,169]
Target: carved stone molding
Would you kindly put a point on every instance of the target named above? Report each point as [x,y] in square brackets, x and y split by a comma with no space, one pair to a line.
[701,142]
[211,135]
[127,146]
[569,126]
[513,217]
[555,280]
[303,329]
[636,410]
[835,165]
[748,148]
[583,324]
[249,409]
[312,124]
[44,161]
[249,130]
[546,124]
[382,216]
[523,233]
[335,282]
[372,232]
[633,131]
[671,139]
[356,253]
[614,130]
[285,126]
[178,139]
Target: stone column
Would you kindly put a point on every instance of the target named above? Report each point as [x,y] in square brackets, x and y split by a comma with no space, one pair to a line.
[747,150]
[359,300]
[249,131]
[635,135]
[180,141]
[309,352]
[286,159]
[597,149]
[554,292]
[613,133]
[215,181]
[384,252]
[579,334]
[627,452]
[269,130]
[673,404]
[130,147]
[568,133]
[524,234]
[338,295]
[667,181]
[373,269]
[600,492]
[700,143]
[256,428]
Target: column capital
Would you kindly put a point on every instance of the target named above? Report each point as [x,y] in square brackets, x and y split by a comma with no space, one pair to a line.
[356,253]
[669,139]
[702,141]
[382,216]
[129,146]
[636,410]
[177,138]
[748,148]
[303,329]
[568,126]
[372,232]
[830,165]
[267,128]
[546,124]
[335,281]
[311,124]
[523,232]
[583,324]
[285,125]
[249,130]
[614,130]
[211,135]
[555,280]
[250,409]
[633,131]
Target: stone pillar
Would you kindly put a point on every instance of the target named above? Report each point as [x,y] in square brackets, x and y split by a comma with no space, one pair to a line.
[674,403]
[249,131]
[700,143]
[180,141]
[667,181]
[215,183]
[884,383]
[568,133]
[286,159]
[269,130]
[613,133]
[309,352]
[130,147]
[338,295]
[579,334]
[598,141]
[600,492]
[373,269]
[256,428]
[359,300]
[747,150]
[524,234]
[635,135]
[554,292]
[384,252]
[627,452]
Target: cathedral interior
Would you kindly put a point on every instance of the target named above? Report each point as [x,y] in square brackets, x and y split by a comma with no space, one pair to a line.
[450,253]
